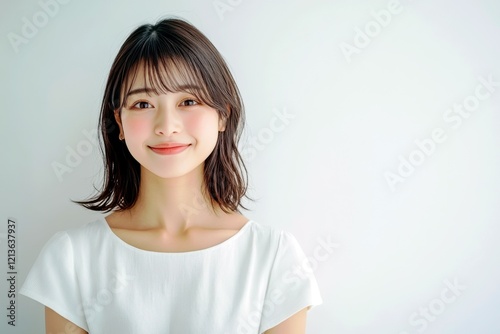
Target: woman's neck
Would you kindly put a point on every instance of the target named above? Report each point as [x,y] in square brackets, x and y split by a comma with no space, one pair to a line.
[173,205]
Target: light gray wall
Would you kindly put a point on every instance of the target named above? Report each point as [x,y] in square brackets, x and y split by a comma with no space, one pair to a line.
[372,91]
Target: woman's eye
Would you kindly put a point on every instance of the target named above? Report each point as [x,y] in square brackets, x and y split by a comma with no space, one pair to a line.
[142,105]
[189,102]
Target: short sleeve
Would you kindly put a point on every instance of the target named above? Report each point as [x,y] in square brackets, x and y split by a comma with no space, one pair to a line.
[52,280]
[292,285]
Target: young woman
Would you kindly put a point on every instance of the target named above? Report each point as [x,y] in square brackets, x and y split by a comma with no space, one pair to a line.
[175,255]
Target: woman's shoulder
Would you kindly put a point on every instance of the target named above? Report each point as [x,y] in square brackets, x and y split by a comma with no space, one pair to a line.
[270,235]
[88,232]
[268,229]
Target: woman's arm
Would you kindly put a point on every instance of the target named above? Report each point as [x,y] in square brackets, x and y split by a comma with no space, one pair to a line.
[54,323]
[296,324]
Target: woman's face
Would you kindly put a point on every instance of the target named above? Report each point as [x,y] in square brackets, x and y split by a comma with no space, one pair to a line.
[149,122]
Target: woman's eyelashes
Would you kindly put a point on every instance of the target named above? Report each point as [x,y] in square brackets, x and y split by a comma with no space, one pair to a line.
[146,105]
[190,102]
[142,105]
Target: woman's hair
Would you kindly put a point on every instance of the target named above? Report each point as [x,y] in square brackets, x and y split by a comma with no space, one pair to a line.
[175,56]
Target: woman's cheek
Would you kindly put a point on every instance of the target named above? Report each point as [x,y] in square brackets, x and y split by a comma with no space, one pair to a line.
[194,124]
[203,123]
[136,126]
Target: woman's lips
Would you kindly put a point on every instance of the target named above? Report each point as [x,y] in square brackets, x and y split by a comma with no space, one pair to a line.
[171,149]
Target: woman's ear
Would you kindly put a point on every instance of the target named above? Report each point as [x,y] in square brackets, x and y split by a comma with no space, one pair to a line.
[118,120]
[223,120]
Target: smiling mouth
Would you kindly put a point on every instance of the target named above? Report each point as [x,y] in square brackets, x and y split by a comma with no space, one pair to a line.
[169,150]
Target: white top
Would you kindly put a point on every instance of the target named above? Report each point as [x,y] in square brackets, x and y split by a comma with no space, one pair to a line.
[247,284]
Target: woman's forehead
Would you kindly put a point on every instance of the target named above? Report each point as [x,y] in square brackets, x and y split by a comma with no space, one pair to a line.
[161,77]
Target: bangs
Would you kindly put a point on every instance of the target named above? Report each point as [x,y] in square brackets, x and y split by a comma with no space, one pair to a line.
[164,74]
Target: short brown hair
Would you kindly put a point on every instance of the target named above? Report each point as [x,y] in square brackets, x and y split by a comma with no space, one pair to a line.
[172,44]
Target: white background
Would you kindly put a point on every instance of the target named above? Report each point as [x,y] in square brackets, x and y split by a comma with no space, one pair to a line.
[323,174]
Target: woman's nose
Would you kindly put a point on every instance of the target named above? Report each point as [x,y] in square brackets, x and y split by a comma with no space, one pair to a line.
[168,120]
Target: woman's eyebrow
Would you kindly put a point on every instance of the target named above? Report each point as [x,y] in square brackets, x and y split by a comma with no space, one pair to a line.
[139,90]
[149,90]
